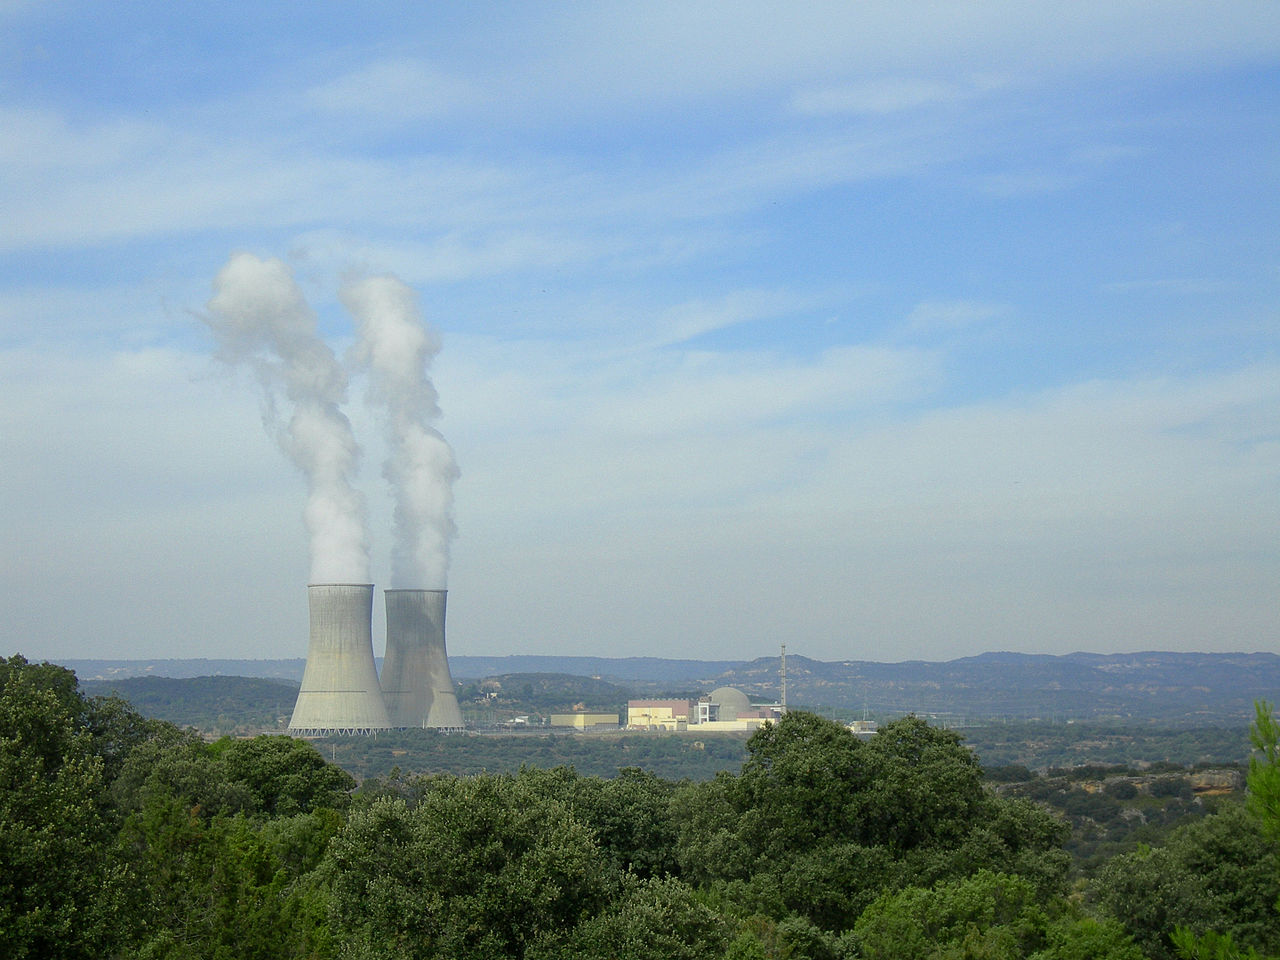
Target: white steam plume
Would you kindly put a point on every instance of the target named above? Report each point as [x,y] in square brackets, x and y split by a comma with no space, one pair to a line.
[397,347]
[261,319]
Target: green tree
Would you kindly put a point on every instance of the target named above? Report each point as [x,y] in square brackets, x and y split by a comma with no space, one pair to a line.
[263,777]
[117,729]
[806,782]
[61,894]
[630,815]
[125,836]
[481,867]
[1074,937]
[986,916]
[648,918]
[1264,769]
[1211,946]
[819,824]
[225,840]
[1264,804]
[1214,874]
[1008,773]
[1121,790]
[928,787]
[284,776]
[178,764]
[226,887]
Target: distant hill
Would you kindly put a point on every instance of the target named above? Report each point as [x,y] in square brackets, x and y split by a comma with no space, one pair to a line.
[1170,688]
[645,669]
[549,691]
[213,704]
[193,667]
[1181,688]
[617,669]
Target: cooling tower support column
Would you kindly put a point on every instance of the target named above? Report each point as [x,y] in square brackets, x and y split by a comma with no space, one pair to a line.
[416,681]
[340,692]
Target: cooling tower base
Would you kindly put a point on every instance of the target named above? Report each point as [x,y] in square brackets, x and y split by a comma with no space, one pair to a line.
[336,732]
[308,733]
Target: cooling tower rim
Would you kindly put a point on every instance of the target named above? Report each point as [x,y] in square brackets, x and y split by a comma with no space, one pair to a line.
[415,590]
[334,583]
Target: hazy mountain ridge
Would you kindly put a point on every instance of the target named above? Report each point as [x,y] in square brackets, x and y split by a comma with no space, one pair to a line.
[652,669]
[185,668]
[645,669]
[547,689]
[1186,687]
[1200,688]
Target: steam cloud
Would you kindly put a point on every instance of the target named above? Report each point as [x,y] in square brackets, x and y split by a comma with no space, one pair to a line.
[261,319]
[397,348]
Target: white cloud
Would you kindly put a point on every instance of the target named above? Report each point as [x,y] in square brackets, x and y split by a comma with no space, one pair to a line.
[144,507]
[119,430]
[1014,184]
[399,90]
[640,498]
[195,183]
[692,319]
[1171,286]
[1103,516]
[886,95]
[680,51]
[701,392]
[36,139]
[948,315]
[255,168]
[625,220]
[454,255]
[122,313]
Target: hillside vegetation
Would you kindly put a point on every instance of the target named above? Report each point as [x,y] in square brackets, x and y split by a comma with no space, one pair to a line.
[1166,689]
[124,837]
[218,705]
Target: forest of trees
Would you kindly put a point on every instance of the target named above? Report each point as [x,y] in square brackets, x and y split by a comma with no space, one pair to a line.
[122,836]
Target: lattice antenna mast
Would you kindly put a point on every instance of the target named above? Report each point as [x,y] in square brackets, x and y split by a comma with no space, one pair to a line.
[784,678]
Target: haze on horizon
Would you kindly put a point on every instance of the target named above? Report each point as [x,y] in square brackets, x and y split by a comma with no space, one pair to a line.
[886,332]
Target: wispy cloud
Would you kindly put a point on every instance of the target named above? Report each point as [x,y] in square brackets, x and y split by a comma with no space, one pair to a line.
[1000,514]
[450,257]
[690,320]
[887,95]
[948,315]
[41,138]
[1170,286]
[631,224]
[398,90]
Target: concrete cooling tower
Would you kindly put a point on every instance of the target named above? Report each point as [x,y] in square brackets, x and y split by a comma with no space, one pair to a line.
[340,692]
[416,682]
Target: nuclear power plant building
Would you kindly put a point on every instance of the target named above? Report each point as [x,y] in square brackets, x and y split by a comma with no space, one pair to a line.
[725,709]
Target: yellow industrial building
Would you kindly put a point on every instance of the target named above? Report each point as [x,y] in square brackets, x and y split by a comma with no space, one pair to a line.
[585,721]
[658,714]
[725,709]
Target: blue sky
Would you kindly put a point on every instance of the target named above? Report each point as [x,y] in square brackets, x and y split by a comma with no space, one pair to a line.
[887,331]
